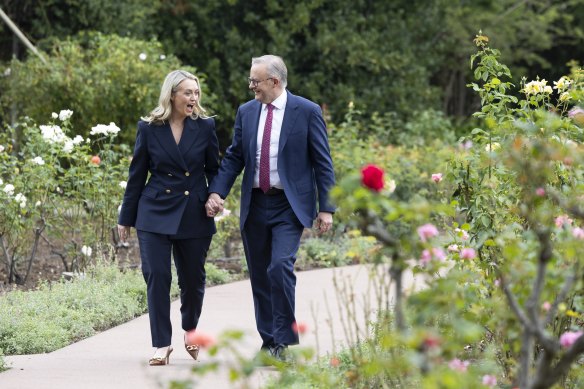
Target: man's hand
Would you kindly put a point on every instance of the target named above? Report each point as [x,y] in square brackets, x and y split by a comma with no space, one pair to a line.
[214,205]
[124,233]
[324,222]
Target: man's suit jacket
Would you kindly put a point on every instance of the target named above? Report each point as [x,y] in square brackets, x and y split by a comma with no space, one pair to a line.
[304,162]
[173,200]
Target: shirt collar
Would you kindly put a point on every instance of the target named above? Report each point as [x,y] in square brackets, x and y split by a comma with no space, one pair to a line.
[280,102]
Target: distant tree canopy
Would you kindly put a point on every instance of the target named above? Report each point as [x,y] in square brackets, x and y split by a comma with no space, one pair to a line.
[398,56]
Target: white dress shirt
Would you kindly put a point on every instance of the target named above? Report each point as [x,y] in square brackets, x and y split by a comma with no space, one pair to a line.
[277,119]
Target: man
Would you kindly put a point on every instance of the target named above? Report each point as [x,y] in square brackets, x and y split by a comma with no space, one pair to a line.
[281,141]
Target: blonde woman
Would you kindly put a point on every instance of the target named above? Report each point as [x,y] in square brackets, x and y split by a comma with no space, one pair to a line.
[176,156]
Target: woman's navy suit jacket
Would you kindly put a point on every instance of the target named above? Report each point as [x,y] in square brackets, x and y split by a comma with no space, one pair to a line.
[172,202]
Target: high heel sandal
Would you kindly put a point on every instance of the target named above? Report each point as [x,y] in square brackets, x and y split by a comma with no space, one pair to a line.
[161,361]
[193,350]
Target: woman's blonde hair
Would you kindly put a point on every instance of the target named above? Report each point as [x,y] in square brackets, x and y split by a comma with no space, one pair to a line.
[169,87]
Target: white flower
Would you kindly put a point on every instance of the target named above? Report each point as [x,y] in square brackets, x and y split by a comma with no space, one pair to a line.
[562,84]
[38,203]
[86,250]
[111,129]
[492,147]
[87,140]
[123,184]
[1,182]
[52,134]
[54,115]
[2,148]
[20,198]
[391,186]
[162,57]
[38,160]
[7,72]
[68,146]
[65,114]
[9,189]
[77,140]
[142,56]
[565,96]
[535,87]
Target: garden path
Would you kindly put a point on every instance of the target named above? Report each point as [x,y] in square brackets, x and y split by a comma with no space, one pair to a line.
[117,358]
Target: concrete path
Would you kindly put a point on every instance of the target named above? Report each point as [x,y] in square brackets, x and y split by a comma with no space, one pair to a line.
[118,358]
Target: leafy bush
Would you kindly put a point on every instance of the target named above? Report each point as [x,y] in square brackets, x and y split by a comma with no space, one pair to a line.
[61,313]
[102,78]
[344,250]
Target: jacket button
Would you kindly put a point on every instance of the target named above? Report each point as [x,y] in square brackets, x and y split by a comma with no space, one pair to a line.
[187,174]
[169,174]
[168,191]
[186,192]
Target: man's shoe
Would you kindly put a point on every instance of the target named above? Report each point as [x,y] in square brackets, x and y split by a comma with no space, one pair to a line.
[280,352]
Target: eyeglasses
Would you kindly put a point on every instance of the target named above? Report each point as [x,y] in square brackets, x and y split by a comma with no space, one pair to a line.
[257,82]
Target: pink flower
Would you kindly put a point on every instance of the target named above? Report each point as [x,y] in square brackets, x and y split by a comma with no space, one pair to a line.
[468,253]
[299,328]
[497,282]
[199,338]
[434,253]
[461,233]
[438,253]
[489,380]
[567,339]
[453,248]
[575,111]
[458,365]
[563,220]
[466,145]
[426,257]
[427,231]
[578,233]
[437,177]
[546,306]
[540,192]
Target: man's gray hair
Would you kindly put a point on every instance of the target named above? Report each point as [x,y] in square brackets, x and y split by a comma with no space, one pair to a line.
[276,67]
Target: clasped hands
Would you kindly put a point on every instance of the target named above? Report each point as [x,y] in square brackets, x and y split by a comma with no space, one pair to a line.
[214,205]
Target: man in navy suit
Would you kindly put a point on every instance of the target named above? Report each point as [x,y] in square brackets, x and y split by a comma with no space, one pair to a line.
[281,141]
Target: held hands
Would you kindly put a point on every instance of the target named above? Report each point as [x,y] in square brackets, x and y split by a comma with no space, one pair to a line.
[324,222]
[214,205]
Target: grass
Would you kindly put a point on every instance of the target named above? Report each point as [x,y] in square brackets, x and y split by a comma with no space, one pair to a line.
[58,314]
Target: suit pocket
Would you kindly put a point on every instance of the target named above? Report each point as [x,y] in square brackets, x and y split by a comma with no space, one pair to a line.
[149,192]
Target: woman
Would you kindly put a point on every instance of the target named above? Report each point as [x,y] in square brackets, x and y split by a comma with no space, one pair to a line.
[176,144]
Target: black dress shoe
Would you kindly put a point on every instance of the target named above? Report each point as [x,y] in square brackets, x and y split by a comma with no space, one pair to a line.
[280,352]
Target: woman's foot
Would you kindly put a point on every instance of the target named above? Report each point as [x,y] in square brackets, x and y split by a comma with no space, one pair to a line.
[161,356]
[192,349]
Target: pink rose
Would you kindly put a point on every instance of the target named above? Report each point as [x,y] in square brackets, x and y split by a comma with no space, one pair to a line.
[468,253]
[540,192]
[427,231]
[453,248]
[563,220]
[461,233]
[458,365]
[489,380]
[546,306]
[578,233]
[567,339]
[437,177]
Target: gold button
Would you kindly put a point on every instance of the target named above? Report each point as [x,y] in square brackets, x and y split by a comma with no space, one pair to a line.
[168,191]
[187,174]
[186,192]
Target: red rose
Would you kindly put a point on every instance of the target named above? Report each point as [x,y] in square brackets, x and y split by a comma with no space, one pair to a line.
[372,177]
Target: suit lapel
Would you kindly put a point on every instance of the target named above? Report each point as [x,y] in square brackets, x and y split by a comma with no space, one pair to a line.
[253,122]
[290,115]
[189,135]
[166,140]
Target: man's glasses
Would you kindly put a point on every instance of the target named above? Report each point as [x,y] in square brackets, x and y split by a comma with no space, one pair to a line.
[255,83]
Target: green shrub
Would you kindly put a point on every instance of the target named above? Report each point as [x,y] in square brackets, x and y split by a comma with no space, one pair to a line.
[216,276]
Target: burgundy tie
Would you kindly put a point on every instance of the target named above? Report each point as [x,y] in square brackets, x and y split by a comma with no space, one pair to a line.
[265,152]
